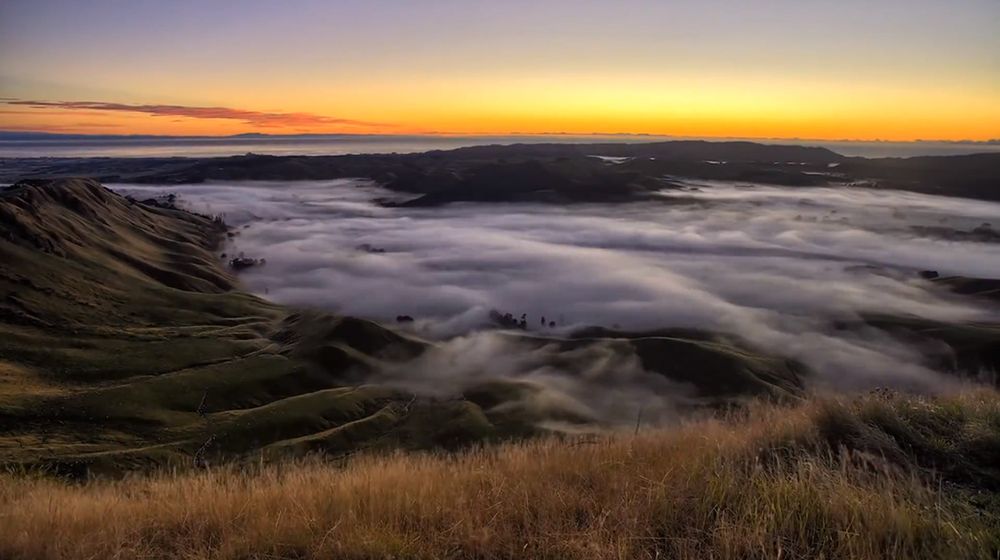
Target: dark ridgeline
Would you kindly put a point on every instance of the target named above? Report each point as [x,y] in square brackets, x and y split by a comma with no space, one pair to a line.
[551,172]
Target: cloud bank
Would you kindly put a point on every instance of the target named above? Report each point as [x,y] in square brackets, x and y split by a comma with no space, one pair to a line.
[779,267]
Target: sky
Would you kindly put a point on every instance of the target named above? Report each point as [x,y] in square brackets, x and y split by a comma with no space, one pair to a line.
[821,69]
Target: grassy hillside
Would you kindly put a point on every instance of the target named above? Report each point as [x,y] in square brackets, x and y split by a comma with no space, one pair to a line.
[883,476]
[126,344]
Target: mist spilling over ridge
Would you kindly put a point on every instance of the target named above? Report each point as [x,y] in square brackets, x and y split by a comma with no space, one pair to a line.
[804,273]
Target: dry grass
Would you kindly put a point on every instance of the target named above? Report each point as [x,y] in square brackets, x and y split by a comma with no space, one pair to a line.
[763,484]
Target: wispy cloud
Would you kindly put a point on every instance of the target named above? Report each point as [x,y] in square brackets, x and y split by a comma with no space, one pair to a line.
[262,119]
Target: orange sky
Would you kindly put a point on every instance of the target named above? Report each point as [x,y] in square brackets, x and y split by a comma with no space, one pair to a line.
[895,70]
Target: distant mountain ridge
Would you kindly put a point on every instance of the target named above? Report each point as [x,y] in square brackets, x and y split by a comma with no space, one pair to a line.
[467,173]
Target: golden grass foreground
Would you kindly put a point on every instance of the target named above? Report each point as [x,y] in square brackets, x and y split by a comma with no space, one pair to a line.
[880,476]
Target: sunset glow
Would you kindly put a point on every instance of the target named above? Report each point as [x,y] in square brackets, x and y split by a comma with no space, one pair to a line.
[898,71]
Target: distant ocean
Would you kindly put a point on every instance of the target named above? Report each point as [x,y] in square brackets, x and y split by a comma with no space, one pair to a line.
[105,146]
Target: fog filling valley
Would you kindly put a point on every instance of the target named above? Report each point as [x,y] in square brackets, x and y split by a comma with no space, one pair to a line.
[776,266]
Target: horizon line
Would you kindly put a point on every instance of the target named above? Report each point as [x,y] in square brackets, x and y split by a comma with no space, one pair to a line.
[514,133]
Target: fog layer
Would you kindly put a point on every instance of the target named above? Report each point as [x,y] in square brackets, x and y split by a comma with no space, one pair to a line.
[777,266]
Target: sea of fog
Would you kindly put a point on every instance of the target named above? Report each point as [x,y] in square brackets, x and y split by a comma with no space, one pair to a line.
[341,144]
[777,266]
